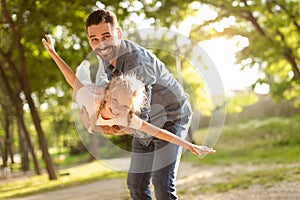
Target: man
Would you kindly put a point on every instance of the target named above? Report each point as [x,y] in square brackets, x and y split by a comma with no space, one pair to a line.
[168,106]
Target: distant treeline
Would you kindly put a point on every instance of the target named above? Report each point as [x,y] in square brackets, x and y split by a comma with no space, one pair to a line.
[265,107]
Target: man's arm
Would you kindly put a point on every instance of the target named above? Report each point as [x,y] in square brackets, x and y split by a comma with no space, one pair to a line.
[113,130]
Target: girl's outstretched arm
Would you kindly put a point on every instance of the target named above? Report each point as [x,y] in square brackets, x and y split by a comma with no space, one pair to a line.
[167,136]
[62,65]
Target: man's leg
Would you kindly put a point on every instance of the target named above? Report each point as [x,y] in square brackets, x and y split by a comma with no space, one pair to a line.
[139,174]
[164,180]
[166,161]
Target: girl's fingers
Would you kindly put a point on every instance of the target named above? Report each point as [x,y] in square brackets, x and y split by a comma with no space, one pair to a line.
[45,43]
[48,38]
[199,150]
[207,150]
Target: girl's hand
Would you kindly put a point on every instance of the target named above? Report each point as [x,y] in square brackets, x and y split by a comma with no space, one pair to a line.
[199,150]
[49,45]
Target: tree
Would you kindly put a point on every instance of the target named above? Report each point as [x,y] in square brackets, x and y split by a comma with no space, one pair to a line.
[26,89]
[273,31]
[26,64]
[15,102]
[22,45]
[271,27]
[24,23]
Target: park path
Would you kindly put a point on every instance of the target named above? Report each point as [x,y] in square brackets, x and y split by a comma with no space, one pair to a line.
[190,178]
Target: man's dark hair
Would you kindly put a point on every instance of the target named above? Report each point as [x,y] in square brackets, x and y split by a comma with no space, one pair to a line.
[99,16]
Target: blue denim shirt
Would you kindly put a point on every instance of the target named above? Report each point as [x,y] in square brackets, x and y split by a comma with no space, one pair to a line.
[167,100]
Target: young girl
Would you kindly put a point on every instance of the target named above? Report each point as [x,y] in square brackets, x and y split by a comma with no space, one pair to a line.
[123,97]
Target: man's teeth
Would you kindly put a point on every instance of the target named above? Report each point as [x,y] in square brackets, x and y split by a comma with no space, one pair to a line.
[104,51]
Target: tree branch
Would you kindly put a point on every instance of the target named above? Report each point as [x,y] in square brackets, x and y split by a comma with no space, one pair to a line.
[288,54]
[292,17]
[7,57]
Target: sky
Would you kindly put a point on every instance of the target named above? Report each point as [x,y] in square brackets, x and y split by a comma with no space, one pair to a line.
[223,51]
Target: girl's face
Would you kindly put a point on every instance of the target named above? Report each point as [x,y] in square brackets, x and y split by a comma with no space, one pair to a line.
[118,102]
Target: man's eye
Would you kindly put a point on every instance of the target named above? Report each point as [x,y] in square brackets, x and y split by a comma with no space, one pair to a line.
[106,37]
[95,40]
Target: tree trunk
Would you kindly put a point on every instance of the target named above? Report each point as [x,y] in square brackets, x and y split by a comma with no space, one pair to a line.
[23,149]
[24,84]
[1,150]
[8,136]
[23,129]
[16,101]
[6,139]
[11,146]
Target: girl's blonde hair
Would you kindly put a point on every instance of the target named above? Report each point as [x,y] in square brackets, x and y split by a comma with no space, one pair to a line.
[134,87]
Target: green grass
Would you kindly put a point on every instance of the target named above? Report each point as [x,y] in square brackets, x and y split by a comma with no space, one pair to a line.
[63,159]
[266,178]
[78,175]
[272,140]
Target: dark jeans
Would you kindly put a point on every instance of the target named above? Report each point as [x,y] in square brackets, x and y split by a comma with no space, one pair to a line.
[159,161]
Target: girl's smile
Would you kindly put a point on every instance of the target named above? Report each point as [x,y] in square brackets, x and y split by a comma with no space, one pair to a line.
[117,104]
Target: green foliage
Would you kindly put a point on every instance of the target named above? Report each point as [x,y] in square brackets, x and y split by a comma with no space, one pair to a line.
[271,28]
[270,146]
[62,158]
[271,140]
[261,142]
[236,102]
[273,31]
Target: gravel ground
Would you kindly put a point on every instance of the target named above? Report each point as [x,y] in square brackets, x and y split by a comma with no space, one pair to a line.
[189,179]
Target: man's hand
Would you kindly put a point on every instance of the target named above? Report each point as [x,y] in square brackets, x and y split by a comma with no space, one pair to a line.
[110,130]
[114,130]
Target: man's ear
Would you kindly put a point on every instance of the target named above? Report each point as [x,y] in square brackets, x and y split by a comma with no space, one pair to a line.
[120,33]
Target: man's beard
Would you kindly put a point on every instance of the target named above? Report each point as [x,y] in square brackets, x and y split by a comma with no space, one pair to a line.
[108,53]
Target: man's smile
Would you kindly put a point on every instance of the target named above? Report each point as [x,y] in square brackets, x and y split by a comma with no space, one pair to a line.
[105,51]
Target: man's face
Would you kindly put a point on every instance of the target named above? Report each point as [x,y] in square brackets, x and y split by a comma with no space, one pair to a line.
[105,40]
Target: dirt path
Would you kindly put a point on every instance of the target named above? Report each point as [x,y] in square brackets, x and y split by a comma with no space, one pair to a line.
[190,178]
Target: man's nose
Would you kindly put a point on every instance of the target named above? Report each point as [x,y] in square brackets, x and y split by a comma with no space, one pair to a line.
[101,45]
